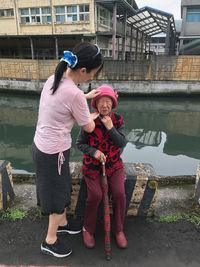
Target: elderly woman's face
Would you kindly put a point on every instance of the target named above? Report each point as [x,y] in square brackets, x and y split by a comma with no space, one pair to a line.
[104,105]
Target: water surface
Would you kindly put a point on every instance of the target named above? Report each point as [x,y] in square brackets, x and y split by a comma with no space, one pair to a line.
[162,131]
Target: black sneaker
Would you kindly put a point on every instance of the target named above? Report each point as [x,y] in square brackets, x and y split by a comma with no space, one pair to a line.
[58,249]
[74,227]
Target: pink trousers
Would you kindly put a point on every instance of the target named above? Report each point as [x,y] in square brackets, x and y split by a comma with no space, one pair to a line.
[95,196]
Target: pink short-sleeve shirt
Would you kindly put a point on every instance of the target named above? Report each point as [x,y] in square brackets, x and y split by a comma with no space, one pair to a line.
[57,115]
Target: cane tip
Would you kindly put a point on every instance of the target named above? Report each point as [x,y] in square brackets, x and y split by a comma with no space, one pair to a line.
[108,256]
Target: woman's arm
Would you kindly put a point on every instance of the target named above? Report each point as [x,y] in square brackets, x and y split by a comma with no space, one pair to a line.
[118,135]
[82,145]
[91,125]
[89,128]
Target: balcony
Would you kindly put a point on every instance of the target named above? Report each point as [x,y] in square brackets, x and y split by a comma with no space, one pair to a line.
[104,27]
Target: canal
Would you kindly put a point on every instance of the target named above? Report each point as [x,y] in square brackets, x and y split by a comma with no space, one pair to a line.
[162,131]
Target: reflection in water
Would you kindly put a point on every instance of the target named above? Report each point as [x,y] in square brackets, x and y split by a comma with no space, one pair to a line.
[141,138]
[163,163]
[182,144]
[177,117]
[162,131]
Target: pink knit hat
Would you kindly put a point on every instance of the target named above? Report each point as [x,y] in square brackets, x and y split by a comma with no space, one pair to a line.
[105,91]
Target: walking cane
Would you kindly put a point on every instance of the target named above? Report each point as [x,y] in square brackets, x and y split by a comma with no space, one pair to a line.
[106,210]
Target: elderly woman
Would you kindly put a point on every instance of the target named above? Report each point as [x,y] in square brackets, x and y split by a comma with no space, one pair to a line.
[103,145]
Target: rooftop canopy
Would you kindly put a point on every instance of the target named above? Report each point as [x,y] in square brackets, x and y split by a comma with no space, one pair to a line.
[152,21]
[123,6]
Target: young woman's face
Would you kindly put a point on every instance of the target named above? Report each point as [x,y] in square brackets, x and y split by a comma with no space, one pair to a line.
[86,76]
[104,105]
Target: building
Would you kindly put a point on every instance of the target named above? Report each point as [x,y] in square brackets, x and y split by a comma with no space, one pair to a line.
[190,31]
[43,29]
[157,44]
[159,27]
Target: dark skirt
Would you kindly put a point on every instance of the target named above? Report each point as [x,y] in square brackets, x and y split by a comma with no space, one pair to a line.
[53,190]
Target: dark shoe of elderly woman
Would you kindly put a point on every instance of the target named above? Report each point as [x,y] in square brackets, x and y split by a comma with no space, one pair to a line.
[121,240]
[88,239]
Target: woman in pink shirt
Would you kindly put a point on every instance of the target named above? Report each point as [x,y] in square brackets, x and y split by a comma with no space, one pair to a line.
[61,104]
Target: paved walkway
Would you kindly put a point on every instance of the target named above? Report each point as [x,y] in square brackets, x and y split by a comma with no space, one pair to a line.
[150,243]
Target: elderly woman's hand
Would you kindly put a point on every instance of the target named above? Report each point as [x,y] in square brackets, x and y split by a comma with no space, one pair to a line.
[107,122]
[100,156]
[92,94]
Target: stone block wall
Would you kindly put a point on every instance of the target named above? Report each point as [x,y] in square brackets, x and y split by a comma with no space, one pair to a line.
[24,69]
[173,68]
[160,68]
[27,69]
[46,68]
[181,68]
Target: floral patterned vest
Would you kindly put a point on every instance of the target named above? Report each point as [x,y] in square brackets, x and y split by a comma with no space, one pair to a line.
[101,140]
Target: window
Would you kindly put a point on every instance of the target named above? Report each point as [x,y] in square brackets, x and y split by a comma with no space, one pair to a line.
[60,9]
[105,17]
[35,15]
[6,13]
[72,13]
[84,12]
[60,18]
[193,15]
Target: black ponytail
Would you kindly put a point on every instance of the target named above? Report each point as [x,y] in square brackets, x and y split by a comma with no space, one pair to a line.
[89,57]
[60,69]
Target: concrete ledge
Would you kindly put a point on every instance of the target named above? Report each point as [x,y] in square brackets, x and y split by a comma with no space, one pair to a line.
[6,184]
[175,194]
[140,187]
[122,87]
[149,87]
[176,180]
[21,86]
[162,180]
[197,186]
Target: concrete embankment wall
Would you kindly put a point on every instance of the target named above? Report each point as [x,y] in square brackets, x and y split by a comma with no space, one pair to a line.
[158,75]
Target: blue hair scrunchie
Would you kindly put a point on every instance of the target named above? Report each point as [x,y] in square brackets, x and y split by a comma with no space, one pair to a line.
[70,58]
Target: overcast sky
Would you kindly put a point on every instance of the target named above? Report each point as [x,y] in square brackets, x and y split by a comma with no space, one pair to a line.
[170,6]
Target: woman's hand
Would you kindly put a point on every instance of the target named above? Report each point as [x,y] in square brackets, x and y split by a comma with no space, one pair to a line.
[92,94]
[106,120]
[100,156]
[94,115]
[91,125]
